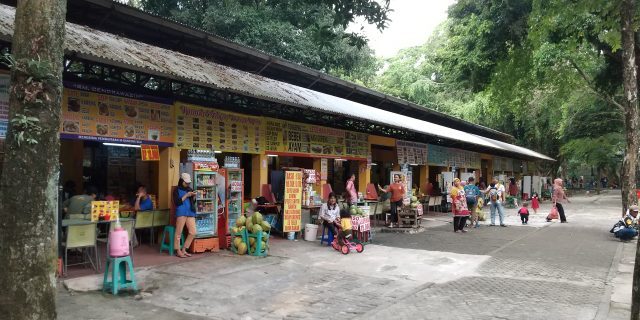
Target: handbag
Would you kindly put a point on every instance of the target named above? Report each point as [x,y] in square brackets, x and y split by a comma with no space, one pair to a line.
[553,214]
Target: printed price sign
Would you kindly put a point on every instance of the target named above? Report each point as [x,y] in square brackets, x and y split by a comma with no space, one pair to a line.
[292,201]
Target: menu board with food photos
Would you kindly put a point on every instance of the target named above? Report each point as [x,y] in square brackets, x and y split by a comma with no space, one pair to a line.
[207,128]
[101,117]
[411,152]
[104,210]
[450,157]
[299,138]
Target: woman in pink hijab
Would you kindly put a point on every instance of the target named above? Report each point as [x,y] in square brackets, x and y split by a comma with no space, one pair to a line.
[558,198]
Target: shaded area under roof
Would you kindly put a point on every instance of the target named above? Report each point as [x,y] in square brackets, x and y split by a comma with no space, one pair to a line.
[108,48]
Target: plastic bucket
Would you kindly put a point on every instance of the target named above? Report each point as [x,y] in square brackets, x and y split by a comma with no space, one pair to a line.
[310,232]
[291,235]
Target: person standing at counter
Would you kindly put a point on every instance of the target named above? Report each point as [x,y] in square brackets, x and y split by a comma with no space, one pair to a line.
[352,193]
[397,190]
[143,200]
[184,200]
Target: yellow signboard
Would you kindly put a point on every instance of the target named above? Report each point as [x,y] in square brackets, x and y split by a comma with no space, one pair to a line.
[207,128]
[292,201]
[285,137]
[108,118]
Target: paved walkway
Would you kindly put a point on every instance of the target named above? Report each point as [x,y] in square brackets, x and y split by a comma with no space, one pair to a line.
[540,271]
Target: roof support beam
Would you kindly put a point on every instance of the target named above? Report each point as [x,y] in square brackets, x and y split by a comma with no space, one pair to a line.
[265,66]
[314,82]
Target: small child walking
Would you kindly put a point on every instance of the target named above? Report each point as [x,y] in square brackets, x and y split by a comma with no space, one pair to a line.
[524,213]
[535,202]
[345,225]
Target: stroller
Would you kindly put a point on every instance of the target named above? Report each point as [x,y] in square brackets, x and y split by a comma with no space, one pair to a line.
[347,244]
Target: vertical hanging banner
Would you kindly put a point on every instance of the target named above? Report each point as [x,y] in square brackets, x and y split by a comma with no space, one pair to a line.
[292,201]
[324,165]
[4,104]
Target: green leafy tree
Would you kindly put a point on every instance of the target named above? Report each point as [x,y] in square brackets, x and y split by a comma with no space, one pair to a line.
[311,33]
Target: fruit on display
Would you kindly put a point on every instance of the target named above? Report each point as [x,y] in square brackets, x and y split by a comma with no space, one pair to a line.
[253,225]
[241,221]
[237,241]
[242,248]
[256,218]
[414,202]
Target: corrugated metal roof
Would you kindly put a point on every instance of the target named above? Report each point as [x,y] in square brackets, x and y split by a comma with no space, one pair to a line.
[112,49]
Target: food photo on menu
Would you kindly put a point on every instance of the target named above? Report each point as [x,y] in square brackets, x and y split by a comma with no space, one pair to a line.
[71,126]
[131,111]
[102,129]
[129,131]
[73,105]
[103,109]
[154,134]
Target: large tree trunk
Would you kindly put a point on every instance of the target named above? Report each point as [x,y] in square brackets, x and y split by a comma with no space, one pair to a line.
[630,84]
[28,184]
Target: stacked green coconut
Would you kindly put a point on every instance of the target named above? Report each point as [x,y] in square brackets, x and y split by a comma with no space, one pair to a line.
[414,202]
[356,211]
[250,235]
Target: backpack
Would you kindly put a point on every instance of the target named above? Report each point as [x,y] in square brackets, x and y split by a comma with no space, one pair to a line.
[470,192]
[493,194]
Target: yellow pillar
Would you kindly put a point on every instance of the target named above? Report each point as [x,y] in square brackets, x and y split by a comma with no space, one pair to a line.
[424,175]
[168,175]
[259,173]
[364,177]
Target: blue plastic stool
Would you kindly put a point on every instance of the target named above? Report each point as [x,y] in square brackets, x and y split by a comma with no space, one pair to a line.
[329,238]
[169,246]
[119,279]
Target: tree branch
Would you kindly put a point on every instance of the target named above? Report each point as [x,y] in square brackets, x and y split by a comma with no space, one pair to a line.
[590,85]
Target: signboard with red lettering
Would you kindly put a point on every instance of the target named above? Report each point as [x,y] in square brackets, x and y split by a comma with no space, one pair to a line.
[292,201]
[205,166]
[149,152]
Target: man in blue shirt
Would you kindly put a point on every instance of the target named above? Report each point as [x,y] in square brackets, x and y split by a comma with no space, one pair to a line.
[143,200]
[472,193]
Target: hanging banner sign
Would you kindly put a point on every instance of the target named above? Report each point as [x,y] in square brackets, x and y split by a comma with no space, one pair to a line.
[207,128]
[4,104]
[287,137]
[106,118]
[411,152]
[292,201]
[324,167]
[149,152]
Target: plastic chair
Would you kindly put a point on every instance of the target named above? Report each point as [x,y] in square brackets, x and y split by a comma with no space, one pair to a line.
[171,230]
[329,237]
[119,279]
[144,220]
[81,237]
